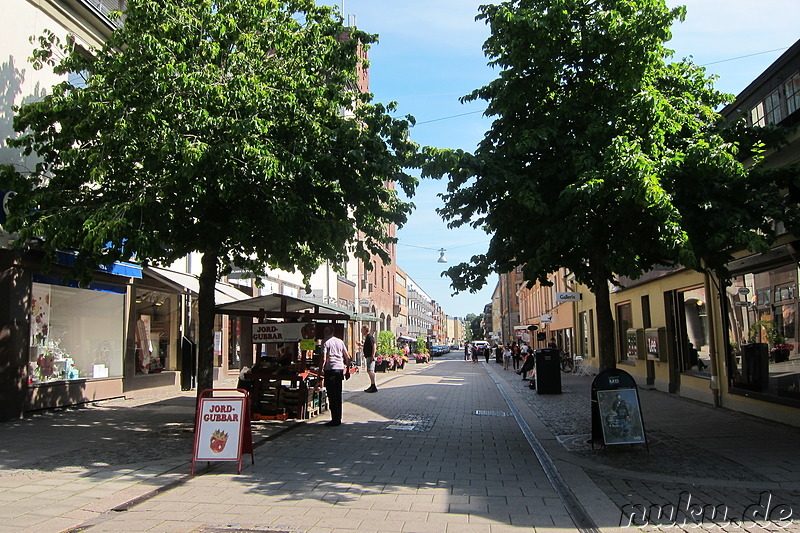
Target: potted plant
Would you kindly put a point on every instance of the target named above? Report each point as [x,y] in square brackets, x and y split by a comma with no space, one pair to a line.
[382,362]
[400,360]
[422,355]
[780,352]
[767,330]
[385,356]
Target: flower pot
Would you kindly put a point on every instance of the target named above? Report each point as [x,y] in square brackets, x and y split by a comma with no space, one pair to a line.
[383,366]
[779,356]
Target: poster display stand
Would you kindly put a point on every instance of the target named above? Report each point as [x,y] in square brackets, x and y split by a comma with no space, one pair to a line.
[616,412]
[222,430]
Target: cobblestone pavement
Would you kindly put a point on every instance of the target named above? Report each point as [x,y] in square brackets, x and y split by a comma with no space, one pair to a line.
[704,469]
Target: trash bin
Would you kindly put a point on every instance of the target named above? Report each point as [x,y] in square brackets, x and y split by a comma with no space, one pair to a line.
[755,367]
[548,371]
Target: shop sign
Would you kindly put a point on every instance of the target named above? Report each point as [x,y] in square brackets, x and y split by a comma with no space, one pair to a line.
[545,319]
[222,429]
[282,332]
[568,296]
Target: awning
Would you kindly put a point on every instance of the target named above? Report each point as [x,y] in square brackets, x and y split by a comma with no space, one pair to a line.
[404,338]
[224,292]
[363,317]
[283,306]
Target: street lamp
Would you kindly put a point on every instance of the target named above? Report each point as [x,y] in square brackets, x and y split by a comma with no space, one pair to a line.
[442,258]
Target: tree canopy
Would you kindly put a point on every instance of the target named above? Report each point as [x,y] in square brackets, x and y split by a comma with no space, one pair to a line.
[598,148]
[233,128]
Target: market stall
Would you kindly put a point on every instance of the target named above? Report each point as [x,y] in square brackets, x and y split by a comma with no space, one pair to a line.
[283,372]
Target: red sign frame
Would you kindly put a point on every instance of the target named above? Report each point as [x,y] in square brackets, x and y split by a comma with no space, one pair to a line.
[222,418]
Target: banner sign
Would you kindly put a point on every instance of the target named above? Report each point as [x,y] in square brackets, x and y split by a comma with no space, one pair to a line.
[222,429]
[282,332]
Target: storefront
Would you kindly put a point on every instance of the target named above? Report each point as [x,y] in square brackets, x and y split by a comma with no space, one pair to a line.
[762,356]
[71,341]
[130,332]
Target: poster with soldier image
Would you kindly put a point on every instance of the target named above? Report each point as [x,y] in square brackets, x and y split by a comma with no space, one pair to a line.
[621,416]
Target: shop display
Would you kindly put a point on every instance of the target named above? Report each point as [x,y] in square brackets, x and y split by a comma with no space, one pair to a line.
[74,334]
[284,391]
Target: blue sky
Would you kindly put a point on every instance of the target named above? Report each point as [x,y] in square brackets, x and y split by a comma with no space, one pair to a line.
[430,54]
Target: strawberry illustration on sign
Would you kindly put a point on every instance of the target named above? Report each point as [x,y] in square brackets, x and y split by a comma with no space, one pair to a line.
[218,440]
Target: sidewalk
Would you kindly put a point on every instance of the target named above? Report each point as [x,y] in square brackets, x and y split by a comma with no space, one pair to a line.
[699,457]
[440,447]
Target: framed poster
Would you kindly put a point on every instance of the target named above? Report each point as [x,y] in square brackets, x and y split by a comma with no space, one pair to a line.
[222,429]
[621,416]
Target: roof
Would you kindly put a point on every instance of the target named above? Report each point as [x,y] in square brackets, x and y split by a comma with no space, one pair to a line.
[223,292]
[283,306]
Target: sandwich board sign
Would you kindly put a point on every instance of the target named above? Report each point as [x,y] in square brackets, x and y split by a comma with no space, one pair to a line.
[222,427]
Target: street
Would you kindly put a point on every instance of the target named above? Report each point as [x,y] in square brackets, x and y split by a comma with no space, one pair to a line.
[445,446]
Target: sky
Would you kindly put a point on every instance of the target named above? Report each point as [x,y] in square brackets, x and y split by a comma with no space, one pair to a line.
[430,53]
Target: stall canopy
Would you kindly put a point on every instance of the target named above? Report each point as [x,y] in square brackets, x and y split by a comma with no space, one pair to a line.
[288,307]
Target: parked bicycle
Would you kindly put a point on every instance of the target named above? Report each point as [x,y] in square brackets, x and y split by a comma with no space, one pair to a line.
[567,362]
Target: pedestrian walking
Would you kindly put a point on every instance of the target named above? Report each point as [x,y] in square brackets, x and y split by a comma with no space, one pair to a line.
[473,350]
[506,356]
[335,366]
[370,348]
[466,352]
[487,352]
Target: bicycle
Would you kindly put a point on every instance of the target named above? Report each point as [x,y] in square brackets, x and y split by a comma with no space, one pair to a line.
[567,363]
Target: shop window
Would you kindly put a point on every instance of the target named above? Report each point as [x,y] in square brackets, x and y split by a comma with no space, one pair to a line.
[75,333]
[583,333]
[693,334]
[762,338]
[624,322]
[156,331]
[234,342]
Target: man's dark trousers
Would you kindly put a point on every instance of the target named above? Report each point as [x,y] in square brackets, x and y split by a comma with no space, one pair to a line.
[333,386]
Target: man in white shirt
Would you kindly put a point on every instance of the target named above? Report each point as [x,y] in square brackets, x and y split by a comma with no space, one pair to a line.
[336,363]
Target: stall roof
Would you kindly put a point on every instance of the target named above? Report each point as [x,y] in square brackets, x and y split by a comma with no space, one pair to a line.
[283,306]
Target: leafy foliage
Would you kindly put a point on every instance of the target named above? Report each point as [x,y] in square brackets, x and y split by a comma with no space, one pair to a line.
[386,343]
[233,128]
[599,154]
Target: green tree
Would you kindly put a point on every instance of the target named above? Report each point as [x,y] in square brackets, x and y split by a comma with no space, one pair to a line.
[468,336]
[588,118]
[232,128]
[476,329]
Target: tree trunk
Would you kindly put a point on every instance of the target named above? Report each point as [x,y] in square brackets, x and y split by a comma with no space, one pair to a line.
[205,343]
[605,318]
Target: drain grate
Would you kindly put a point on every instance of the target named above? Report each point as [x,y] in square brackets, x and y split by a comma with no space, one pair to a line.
[412,422]
[492,413]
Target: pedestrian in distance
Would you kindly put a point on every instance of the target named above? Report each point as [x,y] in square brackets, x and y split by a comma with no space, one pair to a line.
[506,356]
[473,350]
[335,367]
[487,352]
[466,352]
[516,357]
[370,348]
